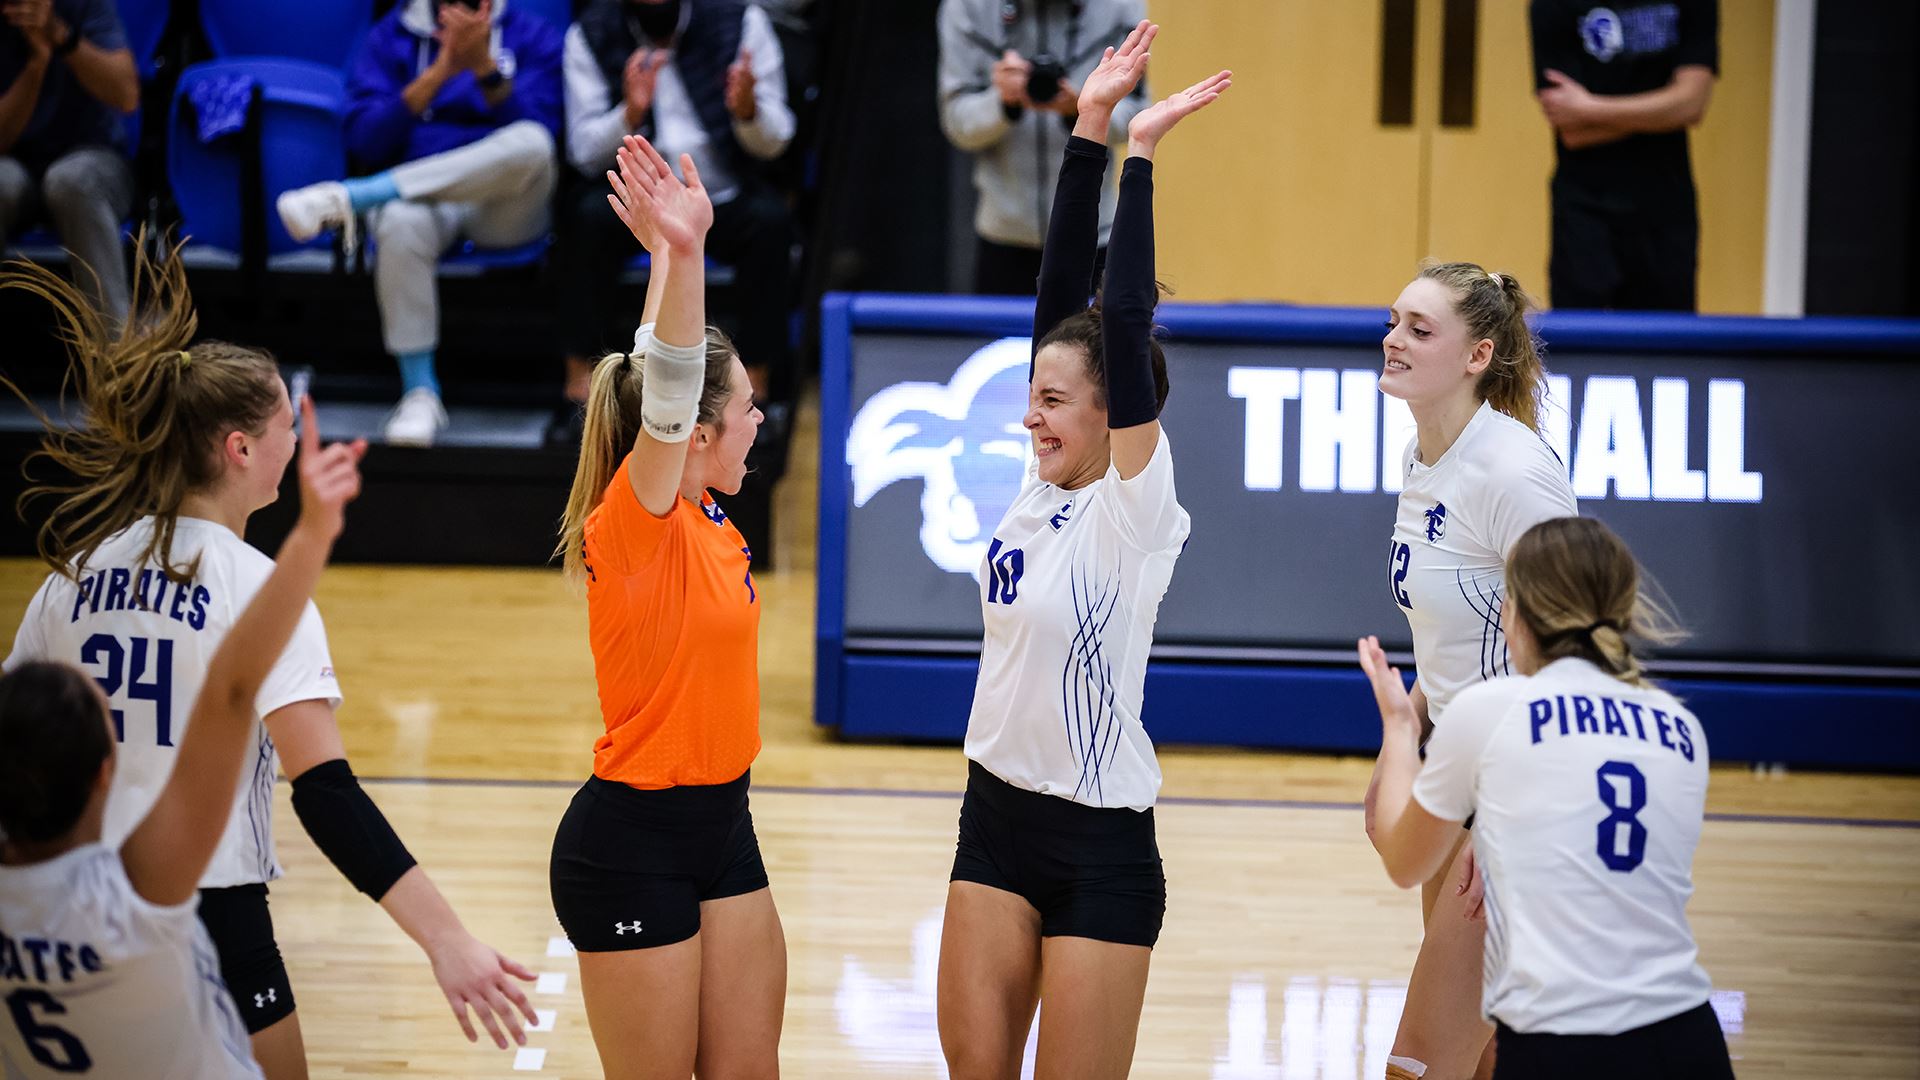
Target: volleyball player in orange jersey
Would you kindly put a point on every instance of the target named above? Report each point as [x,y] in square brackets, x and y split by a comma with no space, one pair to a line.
[656,873]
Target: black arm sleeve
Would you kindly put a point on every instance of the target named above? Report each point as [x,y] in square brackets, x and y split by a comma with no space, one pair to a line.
[1073,238]
[1126,319]
[348,828]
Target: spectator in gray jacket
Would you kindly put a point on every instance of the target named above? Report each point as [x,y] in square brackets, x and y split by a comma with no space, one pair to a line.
[1010,77]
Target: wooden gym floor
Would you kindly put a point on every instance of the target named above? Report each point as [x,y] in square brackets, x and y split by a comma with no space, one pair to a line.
[470,694]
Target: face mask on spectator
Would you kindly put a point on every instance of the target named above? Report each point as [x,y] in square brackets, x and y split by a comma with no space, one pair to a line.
[657,21]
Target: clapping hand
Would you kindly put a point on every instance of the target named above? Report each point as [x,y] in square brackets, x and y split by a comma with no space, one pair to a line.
[638,81]
[658,207]
[1153,122]
[464,36]
[1389,692]
[1119,71]
[740,84]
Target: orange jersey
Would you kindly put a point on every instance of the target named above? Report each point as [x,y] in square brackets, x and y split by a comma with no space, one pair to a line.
[675,626]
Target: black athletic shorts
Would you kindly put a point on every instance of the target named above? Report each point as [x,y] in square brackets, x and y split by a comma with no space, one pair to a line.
[1684,1047]
[237,920]
[630,868]
[1089,872]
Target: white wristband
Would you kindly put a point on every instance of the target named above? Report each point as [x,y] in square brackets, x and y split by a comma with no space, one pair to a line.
[671,379]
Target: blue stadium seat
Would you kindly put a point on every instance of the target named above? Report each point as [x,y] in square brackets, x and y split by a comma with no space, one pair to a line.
[557,12]
[300,114]
[322,31]
[146,23]
[466,259]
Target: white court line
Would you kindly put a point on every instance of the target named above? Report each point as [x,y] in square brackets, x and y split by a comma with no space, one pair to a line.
[551,982]
[559,946]
[546,1019]
[529,1059]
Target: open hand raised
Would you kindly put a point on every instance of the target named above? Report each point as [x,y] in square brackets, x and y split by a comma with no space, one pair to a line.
[660,209]
[1154,121]
[1119,70]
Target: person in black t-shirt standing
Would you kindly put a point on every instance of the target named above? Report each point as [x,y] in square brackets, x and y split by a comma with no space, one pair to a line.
[1621,85]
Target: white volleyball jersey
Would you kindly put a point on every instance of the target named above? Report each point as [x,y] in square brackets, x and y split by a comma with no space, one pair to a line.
[1458,518]
[1588,795]
[99,982]
[1070,590]
[147,642]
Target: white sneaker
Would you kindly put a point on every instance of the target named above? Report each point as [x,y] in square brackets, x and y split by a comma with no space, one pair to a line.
[309,211]
[417,419]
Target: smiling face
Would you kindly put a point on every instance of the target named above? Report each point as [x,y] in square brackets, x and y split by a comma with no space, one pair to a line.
[1067,419]
[1429,354]
[722,447]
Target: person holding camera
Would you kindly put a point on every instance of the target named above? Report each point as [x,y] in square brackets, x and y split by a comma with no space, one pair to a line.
[1010,79]
[457,103]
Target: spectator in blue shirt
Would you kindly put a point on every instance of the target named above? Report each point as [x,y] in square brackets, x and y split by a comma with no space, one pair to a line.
[457,103]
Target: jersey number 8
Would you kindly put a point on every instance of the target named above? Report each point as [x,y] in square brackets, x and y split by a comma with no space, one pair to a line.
[1618,779]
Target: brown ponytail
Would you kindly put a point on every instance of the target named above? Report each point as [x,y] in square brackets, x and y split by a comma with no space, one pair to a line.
[613,423]
[1575,585]
[1495,308]
[157,411]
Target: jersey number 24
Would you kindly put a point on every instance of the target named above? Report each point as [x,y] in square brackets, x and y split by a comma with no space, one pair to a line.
[140,666]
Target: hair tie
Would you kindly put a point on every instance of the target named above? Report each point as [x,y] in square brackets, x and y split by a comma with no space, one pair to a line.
[1597,624]
[186,358]
[1495,278]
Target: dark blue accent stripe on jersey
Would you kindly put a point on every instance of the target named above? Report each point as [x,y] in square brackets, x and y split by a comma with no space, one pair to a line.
[1087,700]
[260,804]
[1493,645]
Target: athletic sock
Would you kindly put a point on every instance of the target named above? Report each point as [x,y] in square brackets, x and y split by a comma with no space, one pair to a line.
[367,192]
[1405,1068]
[416,371]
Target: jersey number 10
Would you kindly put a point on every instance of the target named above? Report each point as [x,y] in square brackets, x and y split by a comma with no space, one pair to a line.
[141,667]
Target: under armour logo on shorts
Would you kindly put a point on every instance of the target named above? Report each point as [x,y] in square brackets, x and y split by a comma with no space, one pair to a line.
[260,1000]
[626,928]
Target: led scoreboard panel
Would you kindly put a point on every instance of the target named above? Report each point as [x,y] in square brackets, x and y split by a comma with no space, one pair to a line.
[1759,469]
[1763,491]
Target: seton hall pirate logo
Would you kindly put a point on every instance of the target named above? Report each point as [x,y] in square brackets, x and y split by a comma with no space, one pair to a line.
[1436,522]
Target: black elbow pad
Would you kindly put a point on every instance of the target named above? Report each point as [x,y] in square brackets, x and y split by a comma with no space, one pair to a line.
[349,829]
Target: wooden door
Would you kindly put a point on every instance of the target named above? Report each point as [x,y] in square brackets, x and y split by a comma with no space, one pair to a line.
[1290,188]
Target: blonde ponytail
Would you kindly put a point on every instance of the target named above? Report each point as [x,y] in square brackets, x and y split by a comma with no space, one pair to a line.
[1576,586]
[157,412]
[613,423]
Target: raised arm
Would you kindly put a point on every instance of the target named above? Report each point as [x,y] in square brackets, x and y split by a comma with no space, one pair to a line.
[168,851]
[1126,323]
[1413,844]
[674,367]
[1073,229]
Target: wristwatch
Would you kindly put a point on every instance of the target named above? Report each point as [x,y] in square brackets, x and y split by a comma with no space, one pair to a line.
[503,68]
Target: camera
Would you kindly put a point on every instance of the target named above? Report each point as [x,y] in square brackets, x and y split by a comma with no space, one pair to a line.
[1044,78]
